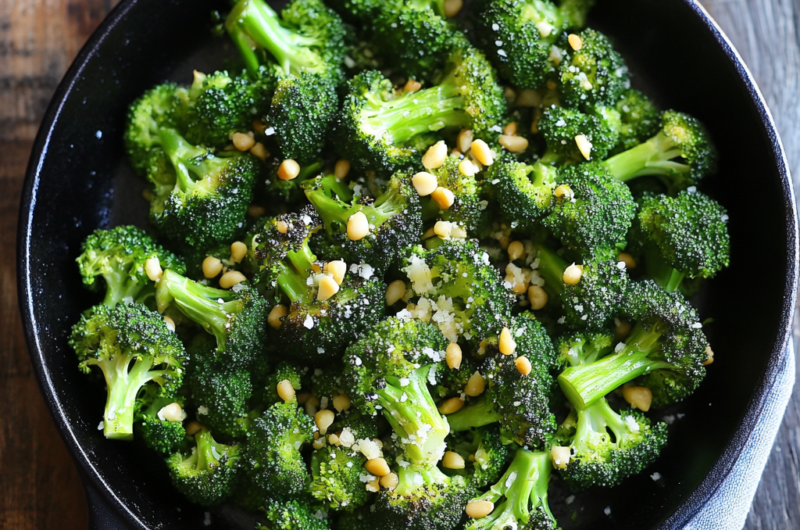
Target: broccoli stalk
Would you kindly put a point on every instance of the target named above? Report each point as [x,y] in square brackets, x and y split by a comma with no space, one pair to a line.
[523,489]
[478,413]
[132,346]
[681,153]
[192,163]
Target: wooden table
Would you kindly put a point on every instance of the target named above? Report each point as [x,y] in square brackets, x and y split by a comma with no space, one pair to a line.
[39,485]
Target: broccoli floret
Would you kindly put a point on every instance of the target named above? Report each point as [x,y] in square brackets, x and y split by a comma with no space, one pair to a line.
[383,129]
[664,352]
[561,126]
[639,117]
[575,11]
[485,456]
[156,431]
[272,459]
[292,514]
[118,256]
[689,232]
[594,74]
[200,198]
[319,329]
[525,192]
[134,348]
[154,110]
[518,36]
[468,209]
[681,154]
[304,49]
[234,317]
[290,192]
[206,475]
[583,348]
[608,447]
[457,283]
[388,369]
[395,222]
[592,211]
[523,489]
[221,392]
[267,386]
[219,104]
[519,402]
[337,473]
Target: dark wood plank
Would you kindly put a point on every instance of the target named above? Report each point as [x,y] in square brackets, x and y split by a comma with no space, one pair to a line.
[39,484]
[766,34]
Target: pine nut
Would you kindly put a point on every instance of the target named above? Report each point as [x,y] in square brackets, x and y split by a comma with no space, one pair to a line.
[172,412]
[377,467]
[193,428]
[561,456]
[424,183]
[259,127]
[327,288]
[243,141]
[323,419]
[464,140]
[626,258]
[584,146]
[514,144]
[412,86]
[510,129]
[288,170]
[479,509]
[451,405]
[453,460]
[231,278]
[482,152]
[435,156]
[443,229]
[374,485]
[575,42]
[169,322]
[341,402]
[639,397]
[285,390]
[259,151]
[238,251]
[453,355]
[457,231]
[476,385]
[572,275]
[282,227]
[341,169]
[516,250]
[275,316]
[709,356]
[443,197]
[337,269]
[506,343]
[395,292]
[467,168]
[390,481]
[523,365]
[537,297]
[152,267]
[357,226]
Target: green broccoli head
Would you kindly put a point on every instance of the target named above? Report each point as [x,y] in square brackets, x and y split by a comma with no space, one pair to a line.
[291,514]
[383,129]
[155,109]
[337,478]
[468,209]
[118,256]
[291,192]
[388,369]
[523,491]
[518,37]
[234,317]
[394,220]
[200,198]
[608,447]
[485,456]
[455,287]
[272,458]
[583,347]
[267,385]
[219,104]
[561,127]
[681,154]
[690,232]
[664,352]
[594,74]
[159,432]
[525,192]
[640,118]
[598,297]
[220,392]
[133,347]
[208,474]
[592,210]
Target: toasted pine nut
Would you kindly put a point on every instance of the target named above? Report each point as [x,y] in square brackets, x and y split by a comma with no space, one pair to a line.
[288,170]
[341,169]
[243,141]
[537,297]
[572,275]
[275,316]
[523,365]
[479,509]
[639,397]
[285,390]
[152,267]
[231,278]
[476,385]
[211,267]
[323,419]
[453,356]
[443,198]
[377,467]
[453,460]
[395,292]
[451,405]
[482,152]
[435,156]
[514,144]
[341,402]
[506,343]
[424,183]
[238,251]
[357,226]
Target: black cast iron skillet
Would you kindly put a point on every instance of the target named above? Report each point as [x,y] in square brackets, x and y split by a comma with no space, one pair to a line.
[78,181]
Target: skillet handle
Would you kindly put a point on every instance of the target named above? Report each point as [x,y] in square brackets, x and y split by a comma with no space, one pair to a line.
[101,515]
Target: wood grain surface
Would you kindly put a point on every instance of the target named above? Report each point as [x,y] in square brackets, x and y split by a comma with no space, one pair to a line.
[39,484]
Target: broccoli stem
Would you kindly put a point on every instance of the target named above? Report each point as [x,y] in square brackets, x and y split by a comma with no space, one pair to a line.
[123,383]
[593,422]
[477,414]
[412,114]
[523,485]
[180,153]
[674,282]
[408,478]
[586,383]
[292,280]
[653,157]
[551,268]
[121,287]
[335,211]
[410,410]
[254,24]
[206,306]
